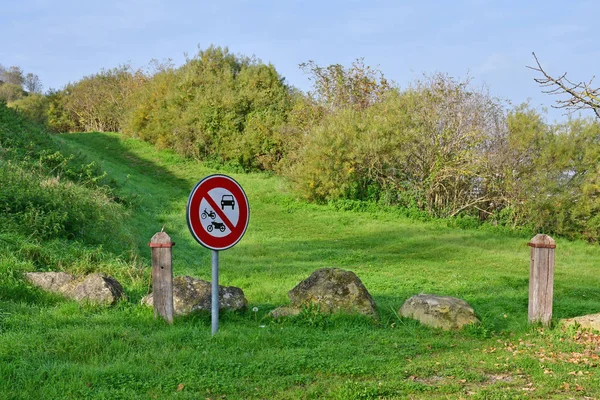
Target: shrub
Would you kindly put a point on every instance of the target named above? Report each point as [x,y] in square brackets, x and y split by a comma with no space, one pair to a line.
[424,146]
[99,102]
[217,106]
[33,107]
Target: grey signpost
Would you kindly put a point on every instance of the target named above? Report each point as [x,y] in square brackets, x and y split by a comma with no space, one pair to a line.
[217,215]
[214,306]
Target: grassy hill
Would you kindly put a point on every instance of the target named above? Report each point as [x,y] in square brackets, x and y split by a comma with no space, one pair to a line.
[54,348]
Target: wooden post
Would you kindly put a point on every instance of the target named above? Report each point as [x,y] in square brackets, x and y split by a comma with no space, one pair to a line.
[162,275]
[541,279]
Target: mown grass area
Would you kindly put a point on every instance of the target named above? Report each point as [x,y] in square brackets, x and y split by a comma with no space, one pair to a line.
[54,348]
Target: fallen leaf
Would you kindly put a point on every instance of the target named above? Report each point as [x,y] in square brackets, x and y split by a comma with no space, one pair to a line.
[180,387]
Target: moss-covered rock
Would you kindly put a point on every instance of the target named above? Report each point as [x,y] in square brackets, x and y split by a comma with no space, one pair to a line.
[93,288]
[331,290]
[191,295]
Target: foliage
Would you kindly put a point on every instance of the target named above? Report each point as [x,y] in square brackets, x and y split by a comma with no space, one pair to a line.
[98,102]
[423,146]
[12,75]
[11,92]
[216,106]
[564,190]
[13,81]
[32,83]
[440,147]
[58,118]
[33,107]
[336,87]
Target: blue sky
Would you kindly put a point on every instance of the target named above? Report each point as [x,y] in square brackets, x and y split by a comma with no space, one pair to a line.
[490,41]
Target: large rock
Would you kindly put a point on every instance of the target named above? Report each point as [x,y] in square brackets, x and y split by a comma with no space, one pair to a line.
[93,288]
[591,321]
[439,311]
[191,295]
[50,281]
[331,290]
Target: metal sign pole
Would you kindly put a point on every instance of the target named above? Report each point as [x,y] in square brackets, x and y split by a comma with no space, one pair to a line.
[217,215]
[215,292]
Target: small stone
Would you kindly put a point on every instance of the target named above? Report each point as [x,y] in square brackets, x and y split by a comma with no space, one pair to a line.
[439,311]
[284,312]
[590,321]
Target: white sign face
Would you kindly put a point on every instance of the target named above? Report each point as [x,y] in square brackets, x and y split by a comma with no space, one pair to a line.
[211,221]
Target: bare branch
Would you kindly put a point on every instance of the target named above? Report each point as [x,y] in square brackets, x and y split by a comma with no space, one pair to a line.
[582,95]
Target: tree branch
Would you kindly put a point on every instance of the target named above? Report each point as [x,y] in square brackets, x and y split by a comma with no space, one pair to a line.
[582,95]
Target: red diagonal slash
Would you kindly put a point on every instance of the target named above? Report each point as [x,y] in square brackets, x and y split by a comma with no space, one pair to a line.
[220,213]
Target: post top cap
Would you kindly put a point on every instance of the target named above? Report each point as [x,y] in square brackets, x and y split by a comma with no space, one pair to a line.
[160,237]
[542,241]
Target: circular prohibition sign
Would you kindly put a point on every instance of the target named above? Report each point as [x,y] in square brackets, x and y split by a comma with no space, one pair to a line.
[218,212]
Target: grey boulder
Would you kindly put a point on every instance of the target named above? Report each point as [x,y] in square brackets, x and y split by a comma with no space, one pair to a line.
[49,281]
[93,288]
[330,290]
[191,295]
[439,311]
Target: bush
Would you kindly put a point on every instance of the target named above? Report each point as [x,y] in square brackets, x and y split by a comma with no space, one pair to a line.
[99,102]
[33,107]
[217,106]
[11,92]
[423,147]
[58,119]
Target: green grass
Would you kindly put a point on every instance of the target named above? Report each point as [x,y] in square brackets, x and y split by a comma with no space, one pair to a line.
[54,348]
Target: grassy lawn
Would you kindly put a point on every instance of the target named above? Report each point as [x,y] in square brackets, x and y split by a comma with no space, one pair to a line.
[54,348]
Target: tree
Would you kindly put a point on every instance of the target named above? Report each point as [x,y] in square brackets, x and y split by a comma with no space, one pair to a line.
[12,75]
[582,96]
[32,83]
[10,92]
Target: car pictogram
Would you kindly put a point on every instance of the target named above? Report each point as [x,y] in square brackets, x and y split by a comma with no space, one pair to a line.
[227,200]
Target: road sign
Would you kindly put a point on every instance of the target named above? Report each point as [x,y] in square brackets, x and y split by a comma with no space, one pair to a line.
[218,212]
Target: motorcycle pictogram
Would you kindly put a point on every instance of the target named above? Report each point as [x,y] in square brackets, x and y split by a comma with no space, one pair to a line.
[216,225]
[210,214]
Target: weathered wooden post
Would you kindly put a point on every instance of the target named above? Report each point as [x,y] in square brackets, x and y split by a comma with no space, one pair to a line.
[162,275]
[541,279]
